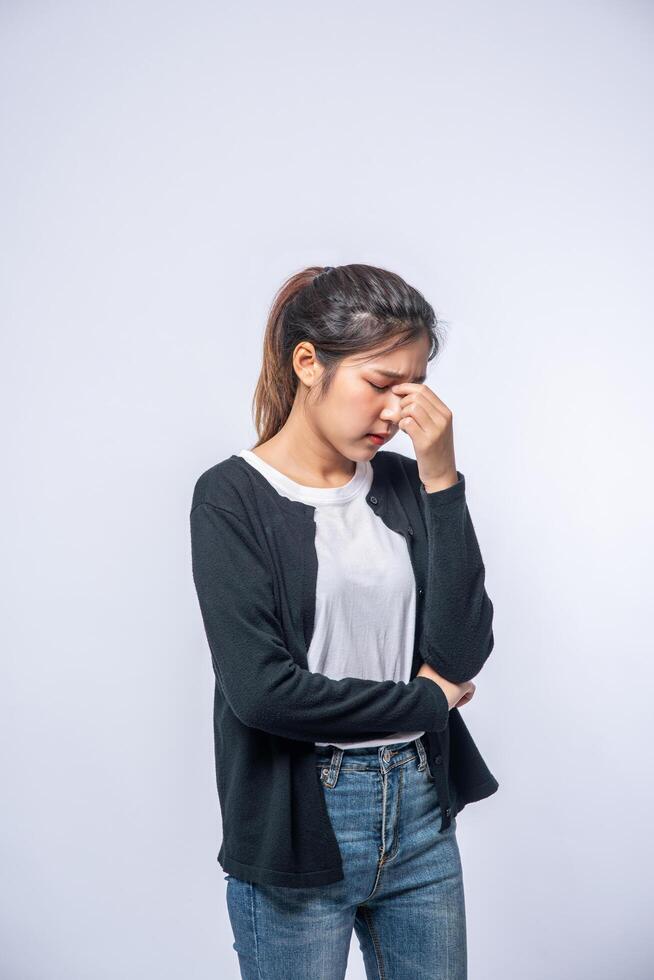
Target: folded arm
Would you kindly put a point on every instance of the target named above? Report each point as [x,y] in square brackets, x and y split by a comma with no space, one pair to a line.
[262,683]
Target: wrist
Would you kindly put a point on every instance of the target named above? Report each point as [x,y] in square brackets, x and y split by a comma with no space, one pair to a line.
[442,483]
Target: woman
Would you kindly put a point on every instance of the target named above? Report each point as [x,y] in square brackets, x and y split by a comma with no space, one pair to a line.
[343,598]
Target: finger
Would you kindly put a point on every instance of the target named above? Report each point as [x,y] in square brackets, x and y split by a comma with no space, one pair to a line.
[425,421]
[407,387]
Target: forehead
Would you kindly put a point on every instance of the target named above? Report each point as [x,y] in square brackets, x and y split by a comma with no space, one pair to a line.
[408,363]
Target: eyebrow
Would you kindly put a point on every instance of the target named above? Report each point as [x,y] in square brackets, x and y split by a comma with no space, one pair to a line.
[398,374]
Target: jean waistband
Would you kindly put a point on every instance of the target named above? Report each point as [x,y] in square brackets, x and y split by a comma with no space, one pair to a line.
[372,756]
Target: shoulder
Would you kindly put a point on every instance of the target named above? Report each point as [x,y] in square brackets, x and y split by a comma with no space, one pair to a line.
[222,485]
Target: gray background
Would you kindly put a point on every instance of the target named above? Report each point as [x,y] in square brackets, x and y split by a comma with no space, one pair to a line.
[164,167]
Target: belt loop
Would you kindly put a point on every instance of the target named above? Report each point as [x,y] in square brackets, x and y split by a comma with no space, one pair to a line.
[329,775]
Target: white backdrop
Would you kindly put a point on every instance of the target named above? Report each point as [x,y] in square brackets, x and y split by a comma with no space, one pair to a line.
[164,167]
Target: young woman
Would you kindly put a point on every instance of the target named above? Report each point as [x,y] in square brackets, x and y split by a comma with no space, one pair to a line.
[342,593]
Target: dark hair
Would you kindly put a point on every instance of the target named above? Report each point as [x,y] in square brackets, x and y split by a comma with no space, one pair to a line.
[342,310]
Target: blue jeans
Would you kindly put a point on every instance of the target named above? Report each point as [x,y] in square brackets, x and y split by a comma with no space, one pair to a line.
[403,887]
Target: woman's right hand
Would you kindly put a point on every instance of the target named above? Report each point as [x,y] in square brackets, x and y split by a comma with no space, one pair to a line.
[456,694]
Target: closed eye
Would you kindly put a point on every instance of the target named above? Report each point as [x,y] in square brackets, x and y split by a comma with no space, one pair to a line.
[377,387]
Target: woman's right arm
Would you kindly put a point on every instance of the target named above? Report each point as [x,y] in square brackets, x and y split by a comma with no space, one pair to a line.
[263,685]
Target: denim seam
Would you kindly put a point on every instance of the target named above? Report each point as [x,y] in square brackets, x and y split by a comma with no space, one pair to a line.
[396,836]
[367,917]
[254,932]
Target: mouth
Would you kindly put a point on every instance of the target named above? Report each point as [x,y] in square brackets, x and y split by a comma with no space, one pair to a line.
[379,438]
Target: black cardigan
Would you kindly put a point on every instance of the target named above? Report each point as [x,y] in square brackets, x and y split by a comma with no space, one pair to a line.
[255,567]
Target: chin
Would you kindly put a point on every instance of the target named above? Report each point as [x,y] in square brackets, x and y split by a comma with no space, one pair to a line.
[370,450]
[357,454]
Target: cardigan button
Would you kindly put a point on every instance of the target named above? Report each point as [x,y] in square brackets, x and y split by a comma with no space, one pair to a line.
[421,592]
[373,500]
[410,529]
[447,811]
[438,759]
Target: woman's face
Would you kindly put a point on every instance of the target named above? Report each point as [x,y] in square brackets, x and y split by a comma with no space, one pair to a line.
[360,400]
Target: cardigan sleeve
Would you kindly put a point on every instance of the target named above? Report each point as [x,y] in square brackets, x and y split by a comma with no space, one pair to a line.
[457,634]
[262,683]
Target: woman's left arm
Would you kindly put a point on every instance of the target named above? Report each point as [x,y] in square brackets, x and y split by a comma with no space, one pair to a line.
[457,635]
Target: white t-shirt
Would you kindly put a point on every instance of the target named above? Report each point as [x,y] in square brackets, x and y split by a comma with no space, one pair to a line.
[365,590]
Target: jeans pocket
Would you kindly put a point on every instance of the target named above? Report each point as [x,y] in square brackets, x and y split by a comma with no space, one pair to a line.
[427,774]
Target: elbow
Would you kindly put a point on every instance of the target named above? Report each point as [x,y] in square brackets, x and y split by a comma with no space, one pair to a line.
[458,641]
[244,702]
[257,714]
[459,662]
[261,715]
[484,652]
[255,708]
[241,708]
[266,710]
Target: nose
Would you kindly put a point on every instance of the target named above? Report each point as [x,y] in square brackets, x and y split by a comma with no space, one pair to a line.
[391,411]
